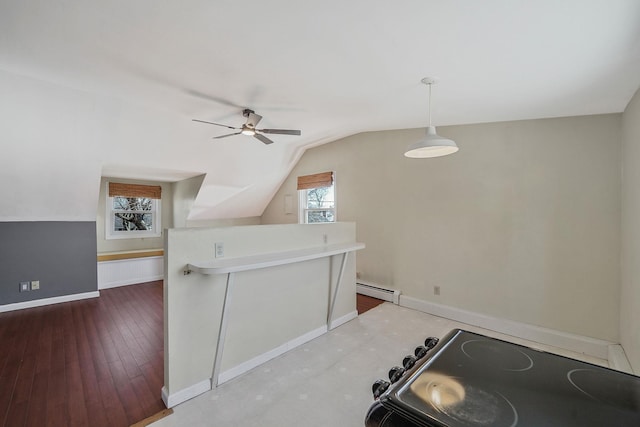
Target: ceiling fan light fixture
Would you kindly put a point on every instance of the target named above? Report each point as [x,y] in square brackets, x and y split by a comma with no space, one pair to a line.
[432,145]
[248,131]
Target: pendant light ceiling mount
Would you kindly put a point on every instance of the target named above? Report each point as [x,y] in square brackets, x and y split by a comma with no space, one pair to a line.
[432,145]
[428,81]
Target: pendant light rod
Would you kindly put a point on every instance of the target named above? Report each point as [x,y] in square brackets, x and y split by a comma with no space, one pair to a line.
[432,145]
[429,81]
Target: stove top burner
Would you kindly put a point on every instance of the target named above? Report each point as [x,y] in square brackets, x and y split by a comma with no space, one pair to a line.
[469,379]
[497,356]
[465,404]
[603,388]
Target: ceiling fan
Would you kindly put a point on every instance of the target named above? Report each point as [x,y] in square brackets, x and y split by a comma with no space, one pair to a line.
[249,128]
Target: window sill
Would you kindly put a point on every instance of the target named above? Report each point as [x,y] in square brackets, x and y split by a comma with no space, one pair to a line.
[144,253]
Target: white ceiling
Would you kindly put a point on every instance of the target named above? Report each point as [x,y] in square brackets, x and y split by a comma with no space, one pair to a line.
[130,76]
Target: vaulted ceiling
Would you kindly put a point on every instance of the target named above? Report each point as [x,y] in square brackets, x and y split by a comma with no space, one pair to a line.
[111,88]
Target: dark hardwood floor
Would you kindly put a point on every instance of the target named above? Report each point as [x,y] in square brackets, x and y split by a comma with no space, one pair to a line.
[366,303]
[96,362]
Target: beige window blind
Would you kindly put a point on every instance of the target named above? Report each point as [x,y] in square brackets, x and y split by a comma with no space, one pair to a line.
[134,190]
[324,179]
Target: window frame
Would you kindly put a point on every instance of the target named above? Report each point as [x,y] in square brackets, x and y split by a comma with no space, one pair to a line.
[110,233]
[303,203]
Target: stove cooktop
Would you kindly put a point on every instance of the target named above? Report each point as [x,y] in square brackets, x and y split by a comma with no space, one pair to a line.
[473,380]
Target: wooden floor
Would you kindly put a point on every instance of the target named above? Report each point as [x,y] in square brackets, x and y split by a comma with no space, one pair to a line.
[365,303]
[96,362]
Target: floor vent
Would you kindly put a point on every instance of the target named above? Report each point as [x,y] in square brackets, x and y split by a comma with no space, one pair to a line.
[377,291]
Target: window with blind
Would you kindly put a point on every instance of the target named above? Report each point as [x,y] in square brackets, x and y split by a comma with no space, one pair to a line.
[317,198]
[133,211]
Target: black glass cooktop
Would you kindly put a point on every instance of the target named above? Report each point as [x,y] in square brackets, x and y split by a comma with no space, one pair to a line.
[474,380]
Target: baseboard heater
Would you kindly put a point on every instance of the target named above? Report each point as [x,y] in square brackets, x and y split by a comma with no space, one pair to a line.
[376,291]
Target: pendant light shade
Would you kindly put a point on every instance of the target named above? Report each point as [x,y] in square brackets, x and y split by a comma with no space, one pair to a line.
[432,145]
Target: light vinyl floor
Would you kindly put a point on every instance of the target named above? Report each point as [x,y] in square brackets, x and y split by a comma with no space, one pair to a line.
[326,382]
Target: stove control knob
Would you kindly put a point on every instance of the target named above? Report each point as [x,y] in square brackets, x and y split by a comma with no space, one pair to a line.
[421,351]
[408,362]
[379,387]
[395,373]
[431,342]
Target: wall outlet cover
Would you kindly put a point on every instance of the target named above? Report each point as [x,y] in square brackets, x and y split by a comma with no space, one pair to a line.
[35,285]
[219,246]
[25,286]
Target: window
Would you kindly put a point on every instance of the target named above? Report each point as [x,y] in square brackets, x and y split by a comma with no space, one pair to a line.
[317,198]
[133,211]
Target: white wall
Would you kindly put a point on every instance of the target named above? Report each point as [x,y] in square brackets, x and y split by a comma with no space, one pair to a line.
[57,142]
[184,195]
[522,223]
[268,307]
[630,289]
[40,124]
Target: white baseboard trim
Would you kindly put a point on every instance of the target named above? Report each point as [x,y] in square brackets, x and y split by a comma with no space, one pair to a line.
[568,341]
[265,357]
[171,400]
[343,319]
[618,359]
[48,301]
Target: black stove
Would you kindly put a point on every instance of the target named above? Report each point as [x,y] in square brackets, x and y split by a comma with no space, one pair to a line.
[468,379]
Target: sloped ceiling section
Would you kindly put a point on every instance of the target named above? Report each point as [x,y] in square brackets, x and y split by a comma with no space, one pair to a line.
[92,88]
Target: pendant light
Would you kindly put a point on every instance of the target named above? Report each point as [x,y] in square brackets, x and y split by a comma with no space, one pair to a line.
[432,145]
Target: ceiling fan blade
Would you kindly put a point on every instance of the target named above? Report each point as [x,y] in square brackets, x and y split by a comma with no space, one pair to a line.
[229,134]
[263,138]
[281,131]
[217,99]
[253,120]
[211,123]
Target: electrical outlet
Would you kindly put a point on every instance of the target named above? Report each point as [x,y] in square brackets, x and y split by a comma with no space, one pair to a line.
[35,285]
[25,286]
[325,238]
[436,290]
[219,246]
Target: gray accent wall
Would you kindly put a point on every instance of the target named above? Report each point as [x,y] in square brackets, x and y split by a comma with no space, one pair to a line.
[61,255]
